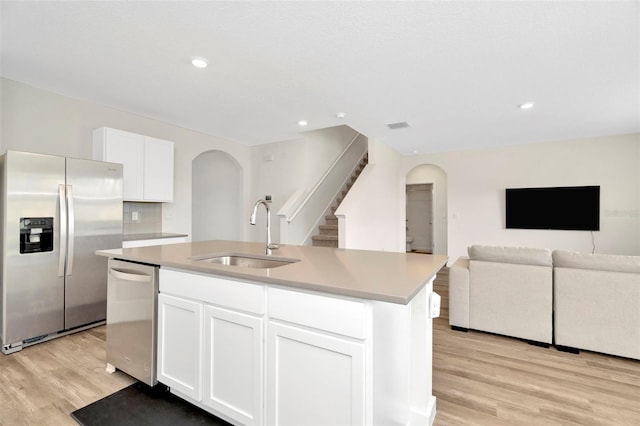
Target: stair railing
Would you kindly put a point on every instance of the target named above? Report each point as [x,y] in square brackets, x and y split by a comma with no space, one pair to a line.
[304,210]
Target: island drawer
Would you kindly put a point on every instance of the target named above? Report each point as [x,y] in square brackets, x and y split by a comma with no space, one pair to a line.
[332,314]
[218,291]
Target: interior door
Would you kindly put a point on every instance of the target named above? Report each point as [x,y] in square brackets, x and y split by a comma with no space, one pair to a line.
[420,216]
[94,198]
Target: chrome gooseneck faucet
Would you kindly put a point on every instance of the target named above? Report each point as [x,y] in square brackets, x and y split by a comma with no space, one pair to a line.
[252,220]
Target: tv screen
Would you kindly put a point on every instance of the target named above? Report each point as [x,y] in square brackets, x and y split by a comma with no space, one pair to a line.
[575,208]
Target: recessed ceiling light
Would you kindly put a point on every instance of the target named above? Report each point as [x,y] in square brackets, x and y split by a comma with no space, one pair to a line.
[199,62]
[302,123]
[341,115]
[527,105]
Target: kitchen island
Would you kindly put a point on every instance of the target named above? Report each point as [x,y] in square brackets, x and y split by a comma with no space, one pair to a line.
[328,336]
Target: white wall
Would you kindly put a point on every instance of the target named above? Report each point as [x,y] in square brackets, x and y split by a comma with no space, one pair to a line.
[372,216]
[476,181]
[40,121]
[280,168]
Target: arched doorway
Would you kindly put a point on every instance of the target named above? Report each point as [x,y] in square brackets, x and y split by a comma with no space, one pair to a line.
[216,197]
[433,179]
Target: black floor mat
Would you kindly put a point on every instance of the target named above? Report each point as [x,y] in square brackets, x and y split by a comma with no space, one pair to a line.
[141,405]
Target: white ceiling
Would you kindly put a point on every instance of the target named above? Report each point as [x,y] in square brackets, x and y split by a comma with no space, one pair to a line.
[455,71]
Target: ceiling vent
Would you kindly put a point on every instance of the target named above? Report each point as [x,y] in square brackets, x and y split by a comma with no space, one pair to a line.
[399,125]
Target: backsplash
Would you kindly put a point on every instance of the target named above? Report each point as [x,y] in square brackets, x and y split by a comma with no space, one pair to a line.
[148,220]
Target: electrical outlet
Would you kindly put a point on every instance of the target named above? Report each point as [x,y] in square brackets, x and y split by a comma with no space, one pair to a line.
[135,216]
[434,305]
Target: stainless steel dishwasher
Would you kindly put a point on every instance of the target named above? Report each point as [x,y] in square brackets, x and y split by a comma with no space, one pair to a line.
[132,305]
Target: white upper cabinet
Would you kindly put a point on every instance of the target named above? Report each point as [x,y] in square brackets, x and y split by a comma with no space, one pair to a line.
[158,170]
[117,146]
[147,163]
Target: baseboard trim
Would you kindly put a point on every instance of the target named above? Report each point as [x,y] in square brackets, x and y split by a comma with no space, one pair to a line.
[426,418]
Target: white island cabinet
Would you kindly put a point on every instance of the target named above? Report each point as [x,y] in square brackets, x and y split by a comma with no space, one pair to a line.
[180,345]
[254,353]
[210,343]
[316,352]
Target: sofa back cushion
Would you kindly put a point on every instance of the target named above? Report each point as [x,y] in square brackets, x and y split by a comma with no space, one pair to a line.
[600,262]
[517,255]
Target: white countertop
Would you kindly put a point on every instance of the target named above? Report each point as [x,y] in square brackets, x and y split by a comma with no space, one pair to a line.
[385,276]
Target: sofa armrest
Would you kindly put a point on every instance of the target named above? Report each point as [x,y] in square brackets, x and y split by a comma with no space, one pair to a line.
[459,293]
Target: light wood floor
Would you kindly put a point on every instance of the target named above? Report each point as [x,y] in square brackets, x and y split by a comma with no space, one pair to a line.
[478,379]
[44,383]
[484,379]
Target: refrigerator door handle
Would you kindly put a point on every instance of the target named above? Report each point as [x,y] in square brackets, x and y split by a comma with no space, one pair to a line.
[63,229]
[71,229]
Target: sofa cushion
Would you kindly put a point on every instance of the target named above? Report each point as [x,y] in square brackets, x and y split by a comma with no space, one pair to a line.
[511,299]
[600,262]
[517,255]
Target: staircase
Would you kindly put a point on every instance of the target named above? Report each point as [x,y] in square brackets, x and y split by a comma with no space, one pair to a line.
[328,233]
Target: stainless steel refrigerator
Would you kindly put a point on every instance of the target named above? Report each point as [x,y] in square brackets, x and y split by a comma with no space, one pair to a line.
[55,213]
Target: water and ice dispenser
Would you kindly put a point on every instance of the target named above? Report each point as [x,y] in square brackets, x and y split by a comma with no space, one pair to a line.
[36,234]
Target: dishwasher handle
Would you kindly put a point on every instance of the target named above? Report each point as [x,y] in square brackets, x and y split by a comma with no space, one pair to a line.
[129,275]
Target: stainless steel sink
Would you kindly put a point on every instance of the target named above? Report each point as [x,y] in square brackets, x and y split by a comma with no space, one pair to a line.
[254,261]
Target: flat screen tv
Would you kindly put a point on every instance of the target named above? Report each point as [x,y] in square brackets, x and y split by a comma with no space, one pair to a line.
[575,208]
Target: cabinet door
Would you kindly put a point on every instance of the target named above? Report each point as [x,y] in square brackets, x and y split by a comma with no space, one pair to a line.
[158,170]
[233,367]
[127,149]
[313,378]
[180,345]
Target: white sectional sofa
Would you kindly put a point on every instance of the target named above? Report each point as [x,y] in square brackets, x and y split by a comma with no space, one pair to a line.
[503,290]
[570,299]
[597,302]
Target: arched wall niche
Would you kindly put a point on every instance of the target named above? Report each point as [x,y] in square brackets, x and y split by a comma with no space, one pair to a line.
[216,200]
